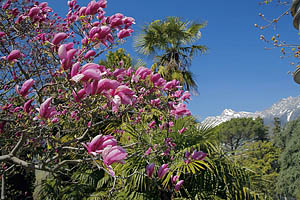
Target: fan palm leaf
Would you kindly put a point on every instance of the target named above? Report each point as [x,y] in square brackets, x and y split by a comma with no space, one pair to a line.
[171,43]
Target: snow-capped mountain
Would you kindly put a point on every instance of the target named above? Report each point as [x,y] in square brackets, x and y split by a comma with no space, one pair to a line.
[286,109]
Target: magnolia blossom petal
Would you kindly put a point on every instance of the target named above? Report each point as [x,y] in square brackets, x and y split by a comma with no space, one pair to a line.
[27,106]
[25,87]
[14,54]
[162,170]
[44,107]
[178,185]
[150,169]
[182,130]
[113,154]
[89,54]
[59,37]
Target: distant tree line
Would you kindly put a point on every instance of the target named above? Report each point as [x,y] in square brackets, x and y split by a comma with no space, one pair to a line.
[275,158]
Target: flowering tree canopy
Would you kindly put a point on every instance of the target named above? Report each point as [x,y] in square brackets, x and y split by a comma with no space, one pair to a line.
[61,110]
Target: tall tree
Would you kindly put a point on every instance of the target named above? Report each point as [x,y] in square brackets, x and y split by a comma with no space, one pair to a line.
[236,132]
[277,126]
[172,43]
[289,176]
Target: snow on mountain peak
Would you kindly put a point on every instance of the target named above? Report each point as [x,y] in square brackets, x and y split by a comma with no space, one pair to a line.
[286,109]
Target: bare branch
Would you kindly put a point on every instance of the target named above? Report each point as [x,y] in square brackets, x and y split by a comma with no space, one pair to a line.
[18,145]
[3,186]
[66,162]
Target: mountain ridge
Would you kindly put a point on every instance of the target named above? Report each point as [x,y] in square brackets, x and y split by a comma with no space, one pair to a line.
[286,109]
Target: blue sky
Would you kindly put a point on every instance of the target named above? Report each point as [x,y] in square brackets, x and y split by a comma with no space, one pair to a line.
[237,72]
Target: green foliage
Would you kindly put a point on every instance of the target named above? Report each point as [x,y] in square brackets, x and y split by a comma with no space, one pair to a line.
[289,176]
[171,42]
[262,158]
[277,126]
[80,184]
[237,131]
[216,178]
[119,59]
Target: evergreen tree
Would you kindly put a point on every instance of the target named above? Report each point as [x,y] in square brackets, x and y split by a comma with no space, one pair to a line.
[277,126]
[289,176]
[236,132]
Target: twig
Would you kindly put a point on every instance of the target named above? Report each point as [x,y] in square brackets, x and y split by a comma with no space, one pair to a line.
[3,186]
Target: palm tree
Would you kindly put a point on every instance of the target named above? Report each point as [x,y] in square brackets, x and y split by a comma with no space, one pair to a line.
[172,43]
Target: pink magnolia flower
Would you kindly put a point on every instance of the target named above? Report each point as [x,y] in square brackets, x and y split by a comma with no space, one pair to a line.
[69,46]
[82,11]
[14,54]
[198,155]
[102,3]
[171,85]
[107,84]
[174,179]
[93,31]
[155,77]
[178,185]
[116,20]
[67,62]
[152,124]
[187,156]
[92,8]
[123,95]
[124,33]
[2,34]
[55,120]
[84,41]
[34,11]
[119,72]
[162,170]
[89,71]
[27,106]
[150,169]
[148,151]
[141,73]
[155,102]
[89,54]
[79,95]
[178,93]
[43,5]
[160,82]
[71,3]
[75,68]
[66,54]
[25,87]
[100,142]
[45,110]
[93,87]
[180,110]
[16,109]
[166,152]
[182,130]
[103,32]
[6,4]
[112,154]
[59,37]
[130,70]
[186,95]
[128,21]
[62,52]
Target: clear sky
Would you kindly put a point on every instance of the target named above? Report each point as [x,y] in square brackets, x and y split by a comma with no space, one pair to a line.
[237,72]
